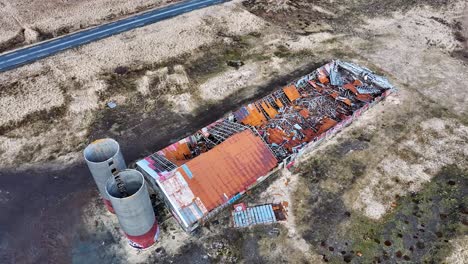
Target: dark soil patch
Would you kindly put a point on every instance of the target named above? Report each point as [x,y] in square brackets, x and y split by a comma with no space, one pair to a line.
[427,244]
[191,253]
[461,54]
[13,42]
[44,116]
[121,70]
[350,145]
[250,250]
[342,15]
[348,258]
[94,247]
[43,35]
[326,214]
[63,30]
[42,213]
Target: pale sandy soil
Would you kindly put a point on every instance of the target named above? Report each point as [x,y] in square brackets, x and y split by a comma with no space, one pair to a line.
[428,67]
[460,251]
[51,16]
[373,196]
[430,74]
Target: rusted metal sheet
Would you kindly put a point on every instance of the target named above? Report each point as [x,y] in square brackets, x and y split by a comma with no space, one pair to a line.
[228,168]
[291,92]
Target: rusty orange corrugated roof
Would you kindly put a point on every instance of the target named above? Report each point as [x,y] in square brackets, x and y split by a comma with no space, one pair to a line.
[322,76]
[351,87]
[255,117]
[279,103]
[291,92]
[229,168]
[177,152]
[327,123]
[269,109]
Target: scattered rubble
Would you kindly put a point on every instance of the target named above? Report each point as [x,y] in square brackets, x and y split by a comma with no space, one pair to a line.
[235,63]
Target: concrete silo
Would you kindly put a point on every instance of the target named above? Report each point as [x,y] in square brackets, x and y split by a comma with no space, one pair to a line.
[104,159]
[130,199]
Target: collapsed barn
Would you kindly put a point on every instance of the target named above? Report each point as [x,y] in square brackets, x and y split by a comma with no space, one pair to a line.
[200,175]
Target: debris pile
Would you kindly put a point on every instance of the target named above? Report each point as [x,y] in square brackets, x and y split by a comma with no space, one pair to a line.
[291,117]
[201,174]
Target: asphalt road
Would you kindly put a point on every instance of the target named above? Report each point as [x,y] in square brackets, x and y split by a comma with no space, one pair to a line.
[26,55]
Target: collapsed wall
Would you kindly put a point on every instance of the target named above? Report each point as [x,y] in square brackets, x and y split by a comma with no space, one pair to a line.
[209,170]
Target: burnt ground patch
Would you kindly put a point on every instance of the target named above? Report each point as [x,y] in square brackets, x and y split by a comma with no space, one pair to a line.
[350,145]
[192,253]
[244,244]
[417,231]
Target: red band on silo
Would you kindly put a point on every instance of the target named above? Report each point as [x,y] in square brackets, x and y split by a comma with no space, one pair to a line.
[145,240]
[108,205]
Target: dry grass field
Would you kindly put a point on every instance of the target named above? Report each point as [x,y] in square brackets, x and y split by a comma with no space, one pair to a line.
[26,22]
[389,188]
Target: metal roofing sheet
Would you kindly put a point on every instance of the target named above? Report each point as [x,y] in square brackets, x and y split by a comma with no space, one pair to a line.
[228,168]
[254,215]
[291,92]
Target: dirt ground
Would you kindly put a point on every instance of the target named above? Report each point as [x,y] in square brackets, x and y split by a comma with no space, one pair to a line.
[390,188]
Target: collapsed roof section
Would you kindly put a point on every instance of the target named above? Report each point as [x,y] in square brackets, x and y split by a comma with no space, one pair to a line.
[295,115]
[211,169]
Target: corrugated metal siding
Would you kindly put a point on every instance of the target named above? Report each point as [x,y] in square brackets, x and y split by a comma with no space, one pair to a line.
[188,215]
[228,168]
[262,214]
